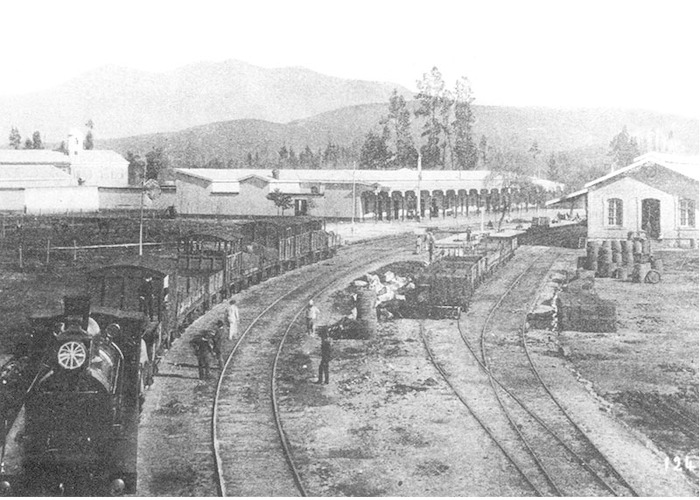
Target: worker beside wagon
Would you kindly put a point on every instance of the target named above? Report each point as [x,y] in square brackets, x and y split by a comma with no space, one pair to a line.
[146,296]
[233,316]
[312,313]
[219,336]
[203,346]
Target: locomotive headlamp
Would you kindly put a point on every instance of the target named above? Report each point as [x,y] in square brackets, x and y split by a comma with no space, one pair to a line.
[72,355]
[5,488]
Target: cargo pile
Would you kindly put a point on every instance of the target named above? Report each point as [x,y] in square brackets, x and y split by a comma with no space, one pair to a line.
[580,309]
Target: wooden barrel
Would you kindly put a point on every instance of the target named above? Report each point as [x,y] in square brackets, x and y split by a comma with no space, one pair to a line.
[637,247]
[626,250]
[366,312]
[604,260]
[640,271]
[657,264]
[623,273]
[616,249]
[592,256]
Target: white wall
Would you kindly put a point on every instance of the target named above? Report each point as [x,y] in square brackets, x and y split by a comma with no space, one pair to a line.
[632,192]
[61,199]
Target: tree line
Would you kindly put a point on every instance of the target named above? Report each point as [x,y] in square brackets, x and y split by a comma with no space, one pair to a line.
[35,141]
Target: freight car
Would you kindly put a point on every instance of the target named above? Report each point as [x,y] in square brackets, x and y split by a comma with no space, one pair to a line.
[77,432]
[446,285]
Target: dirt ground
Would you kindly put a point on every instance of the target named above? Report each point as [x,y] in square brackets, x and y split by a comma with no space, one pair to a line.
[387,422]
[647,371]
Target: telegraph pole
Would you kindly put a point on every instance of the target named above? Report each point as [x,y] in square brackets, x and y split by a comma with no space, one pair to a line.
[143,189]
[420,177]
[354,199]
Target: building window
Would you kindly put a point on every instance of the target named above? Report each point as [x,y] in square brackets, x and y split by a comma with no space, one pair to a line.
[687,213]
[614,212]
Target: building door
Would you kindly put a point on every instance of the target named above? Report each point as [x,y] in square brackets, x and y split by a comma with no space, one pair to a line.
[300,207]
[651,217]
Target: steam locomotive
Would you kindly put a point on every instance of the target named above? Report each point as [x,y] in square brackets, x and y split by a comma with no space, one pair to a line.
[77,432]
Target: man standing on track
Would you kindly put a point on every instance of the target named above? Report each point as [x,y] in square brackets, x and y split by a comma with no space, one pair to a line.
[312,313]
[232,316]
[325,357]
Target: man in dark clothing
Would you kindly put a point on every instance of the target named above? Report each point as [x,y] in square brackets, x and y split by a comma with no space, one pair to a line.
[146,296]
[325,358]
[219,337]
[203,346]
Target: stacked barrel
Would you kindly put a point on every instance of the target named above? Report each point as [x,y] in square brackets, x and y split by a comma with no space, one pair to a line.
[620,259]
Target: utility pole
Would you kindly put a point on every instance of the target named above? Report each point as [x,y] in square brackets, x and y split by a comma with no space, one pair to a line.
[420,177]
[143,190]
[354,199]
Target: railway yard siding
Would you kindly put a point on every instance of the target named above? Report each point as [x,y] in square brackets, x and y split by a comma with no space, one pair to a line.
[390,422]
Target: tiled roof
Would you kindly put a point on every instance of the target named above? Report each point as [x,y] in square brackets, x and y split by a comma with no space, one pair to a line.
[98,156]
[689,166]
[32,157]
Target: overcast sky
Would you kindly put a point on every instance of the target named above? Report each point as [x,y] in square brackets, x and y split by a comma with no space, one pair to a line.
[552,53]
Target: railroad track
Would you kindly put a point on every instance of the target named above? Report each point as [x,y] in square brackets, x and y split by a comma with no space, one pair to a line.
[554,456]
[575,467]
[251,452]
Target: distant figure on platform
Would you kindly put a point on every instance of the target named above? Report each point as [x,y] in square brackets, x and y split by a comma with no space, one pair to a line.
[431,246]
[233,317]
[219,336]
[325,358]
[312,313]
[203,346]
[419,244]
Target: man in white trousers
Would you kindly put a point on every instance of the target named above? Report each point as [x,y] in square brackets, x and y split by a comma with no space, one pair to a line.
[233,316]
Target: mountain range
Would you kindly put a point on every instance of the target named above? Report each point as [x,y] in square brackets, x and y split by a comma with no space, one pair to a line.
[225,110]
[124,102]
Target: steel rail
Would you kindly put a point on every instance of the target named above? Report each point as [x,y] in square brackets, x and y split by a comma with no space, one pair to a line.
[221,486]
[596,450]
[530,412]
[488,431]
[515,427]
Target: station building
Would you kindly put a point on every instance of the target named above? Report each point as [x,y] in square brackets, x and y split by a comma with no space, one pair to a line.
[39,181]
[349,193]
[657,194]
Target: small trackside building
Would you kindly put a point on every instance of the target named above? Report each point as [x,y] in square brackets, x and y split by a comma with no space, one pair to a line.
[657,194]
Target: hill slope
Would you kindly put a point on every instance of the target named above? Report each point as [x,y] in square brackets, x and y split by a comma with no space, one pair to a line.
[125,102]
[555,130]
